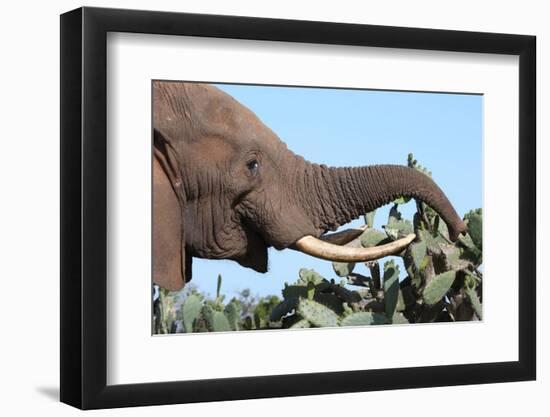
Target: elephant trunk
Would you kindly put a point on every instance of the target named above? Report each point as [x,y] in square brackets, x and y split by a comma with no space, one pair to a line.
[340,195]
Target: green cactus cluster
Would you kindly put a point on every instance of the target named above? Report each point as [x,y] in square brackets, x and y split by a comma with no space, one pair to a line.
[441,282]
[189,311]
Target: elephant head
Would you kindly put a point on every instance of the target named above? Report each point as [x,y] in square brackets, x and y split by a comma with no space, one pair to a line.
[226,187]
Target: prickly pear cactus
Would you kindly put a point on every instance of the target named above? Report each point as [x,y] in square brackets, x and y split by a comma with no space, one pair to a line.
[317,314]
[190,310]
[363,318]
[438,286]
[165,313]
[232,314]
[391,288]
[220,322]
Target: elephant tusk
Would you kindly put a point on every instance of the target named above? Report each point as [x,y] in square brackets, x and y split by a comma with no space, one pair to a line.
[344,237]
[330,252]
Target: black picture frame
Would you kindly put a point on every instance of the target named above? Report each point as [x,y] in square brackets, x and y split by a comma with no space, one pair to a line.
[84,207]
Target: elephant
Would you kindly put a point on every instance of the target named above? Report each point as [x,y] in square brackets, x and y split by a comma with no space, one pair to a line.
[226,187]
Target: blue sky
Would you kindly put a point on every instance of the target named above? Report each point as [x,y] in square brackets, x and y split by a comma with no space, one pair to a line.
[353,128]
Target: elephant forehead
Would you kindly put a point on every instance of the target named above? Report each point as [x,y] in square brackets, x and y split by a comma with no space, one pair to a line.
[233,121]
[202,112]
[241,133]
[221,114]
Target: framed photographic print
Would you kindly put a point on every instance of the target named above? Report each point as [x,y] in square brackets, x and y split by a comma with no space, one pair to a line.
[258,208]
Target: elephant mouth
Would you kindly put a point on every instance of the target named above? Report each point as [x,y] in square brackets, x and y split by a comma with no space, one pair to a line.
[340,246]
[255,255]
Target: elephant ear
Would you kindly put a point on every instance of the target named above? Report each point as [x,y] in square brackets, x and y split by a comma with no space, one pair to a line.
[169,260]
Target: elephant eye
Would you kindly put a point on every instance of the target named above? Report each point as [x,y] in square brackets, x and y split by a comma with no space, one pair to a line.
[252,166]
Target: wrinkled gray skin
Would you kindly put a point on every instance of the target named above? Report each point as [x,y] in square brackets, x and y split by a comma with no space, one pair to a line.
[226,187]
